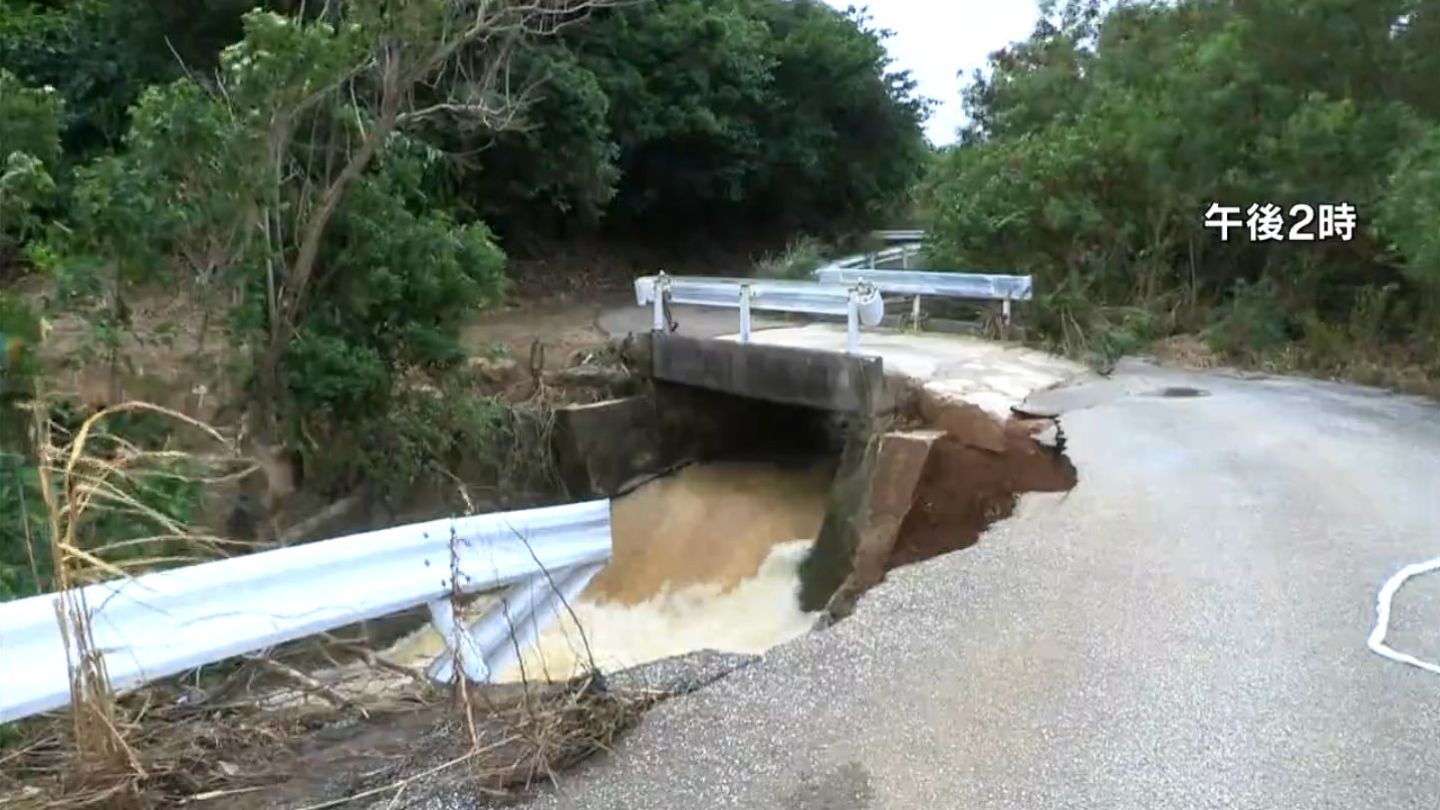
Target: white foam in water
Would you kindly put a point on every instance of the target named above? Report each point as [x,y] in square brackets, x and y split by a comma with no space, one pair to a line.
[752,617]
[705,559]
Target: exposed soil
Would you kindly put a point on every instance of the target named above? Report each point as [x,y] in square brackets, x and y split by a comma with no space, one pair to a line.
[564,325]
[964,490]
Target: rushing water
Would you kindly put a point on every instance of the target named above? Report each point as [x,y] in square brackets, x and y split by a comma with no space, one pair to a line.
[706,558]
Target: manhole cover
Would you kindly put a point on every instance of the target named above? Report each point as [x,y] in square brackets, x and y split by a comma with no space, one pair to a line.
[1179,392]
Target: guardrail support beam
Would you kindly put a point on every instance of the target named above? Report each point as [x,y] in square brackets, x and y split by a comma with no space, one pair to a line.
[657,318]
[745,293]
[852,324]
[459,644]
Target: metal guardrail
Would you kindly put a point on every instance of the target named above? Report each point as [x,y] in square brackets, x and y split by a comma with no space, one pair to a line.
[922,282]
[900,235]
[918,283]
[859,302]
[900,253]
[162,624]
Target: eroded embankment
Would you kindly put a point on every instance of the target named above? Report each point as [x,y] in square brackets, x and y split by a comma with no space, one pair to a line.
[928,481]
[965,489]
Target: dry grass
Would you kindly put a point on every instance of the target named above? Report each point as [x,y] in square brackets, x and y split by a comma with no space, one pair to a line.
[92,758]
[1185,351]
[229,745]
[249,728]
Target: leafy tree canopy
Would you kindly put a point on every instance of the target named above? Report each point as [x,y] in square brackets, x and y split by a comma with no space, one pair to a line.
[1096,146]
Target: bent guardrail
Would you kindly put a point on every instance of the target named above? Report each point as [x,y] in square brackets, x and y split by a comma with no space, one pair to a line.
[859,302]
[166,623]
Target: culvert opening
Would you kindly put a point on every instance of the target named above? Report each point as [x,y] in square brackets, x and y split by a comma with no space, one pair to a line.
[705,551]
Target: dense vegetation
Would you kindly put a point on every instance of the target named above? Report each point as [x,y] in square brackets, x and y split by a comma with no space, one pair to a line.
[333,182]
[1096,147]
[339,184]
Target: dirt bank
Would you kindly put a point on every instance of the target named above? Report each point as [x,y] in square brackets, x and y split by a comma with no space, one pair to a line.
[965,489]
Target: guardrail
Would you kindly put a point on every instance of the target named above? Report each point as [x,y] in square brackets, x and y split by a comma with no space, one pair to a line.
[919,283]
[162,624]
[902,253]
[859,302]
[893,236]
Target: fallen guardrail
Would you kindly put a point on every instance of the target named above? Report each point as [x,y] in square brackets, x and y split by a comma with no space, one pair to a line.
[859,302]
[162,624]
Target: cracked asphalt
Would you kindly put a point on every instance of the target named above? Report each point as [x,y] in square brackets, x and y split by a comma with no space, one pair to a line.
[1185,629]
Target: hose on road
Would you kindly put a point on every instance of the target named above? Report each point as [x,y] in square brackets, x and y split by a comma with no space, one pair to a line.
[1377,643]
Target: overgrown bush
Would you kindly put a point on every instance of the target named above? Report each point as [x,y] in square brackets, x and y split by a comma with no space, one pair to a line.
[1097,146]
[799,260]
[24,548]
[1251,322]
[29,155]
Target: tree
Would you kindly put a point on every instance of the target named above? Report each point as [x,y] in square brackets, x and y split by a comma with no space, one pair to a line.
[1097,145]
[29,155]
[249,176]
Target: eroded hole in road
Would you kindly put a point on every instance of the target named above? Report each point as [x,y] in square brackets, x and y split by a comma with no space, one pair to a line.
[964,490]
[976,467]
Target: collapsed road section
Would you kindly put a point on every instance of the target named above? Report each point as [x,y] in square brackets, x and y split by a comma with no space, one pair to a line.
[760,489]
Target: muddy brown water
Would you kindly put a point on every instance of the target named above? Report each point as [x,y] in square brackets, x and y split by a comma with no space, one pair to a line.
[706,558]
[709,524]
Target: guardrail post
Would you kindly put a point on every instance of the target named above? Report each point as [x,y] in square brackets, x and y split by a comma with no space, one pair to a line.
[657,318]
[1005,310]
[458,641]
[745,313]
[915,314]
[852,323]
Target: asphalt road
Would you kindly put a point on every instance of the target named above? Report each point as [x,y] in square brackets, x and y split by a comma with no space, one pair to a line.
[1186,629]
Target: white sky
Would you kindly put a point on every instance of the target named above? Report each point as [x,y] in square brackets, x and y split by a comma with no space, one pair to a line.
[937,40]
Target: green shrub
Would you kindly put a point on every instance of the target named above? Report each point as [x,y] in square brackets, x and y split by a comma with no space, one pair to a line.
[24,550]
[801,257]
[29,155]
[1250,323]
[1409,215]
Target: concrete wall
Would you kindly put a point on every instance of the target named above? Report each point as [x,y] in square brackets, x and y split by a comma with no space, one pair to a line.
[608,448]
[814,379]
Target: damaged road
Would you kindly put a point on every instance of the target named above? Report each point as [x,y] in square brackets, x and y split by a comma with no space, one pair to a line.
[1185,628]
